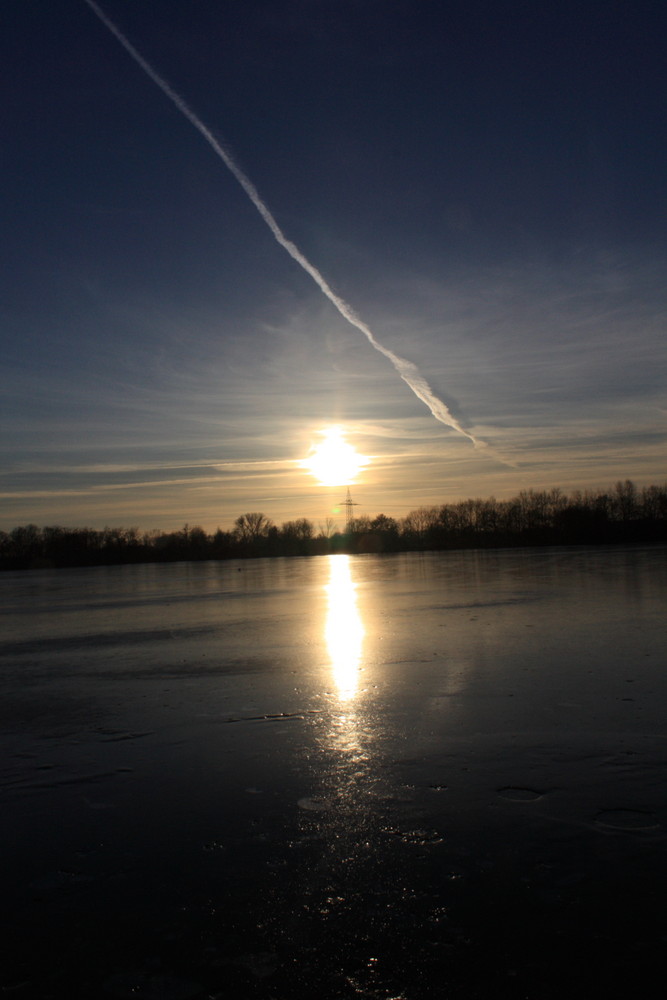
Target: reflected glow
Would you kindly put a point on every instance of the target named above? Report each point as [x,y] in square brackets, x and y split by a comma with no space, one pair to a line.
[344,629]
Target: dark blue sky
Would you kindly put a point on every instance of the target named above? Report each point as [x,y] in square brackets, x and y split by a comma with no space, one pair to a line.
[484,183]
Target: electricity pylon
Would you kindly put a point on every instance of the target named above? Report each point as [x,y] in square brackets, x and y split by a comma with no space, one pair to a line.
[348,504]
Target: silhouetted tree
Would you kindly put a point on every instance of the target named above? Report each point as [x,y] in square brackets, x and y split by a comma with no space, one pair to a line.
[624,514]
[327,527]
[383,534]
[255,533]
[416,526]
[626,500]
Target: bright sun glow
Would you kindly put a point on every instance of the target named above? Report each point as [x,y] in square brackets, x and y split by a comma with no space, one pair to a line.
[334,462]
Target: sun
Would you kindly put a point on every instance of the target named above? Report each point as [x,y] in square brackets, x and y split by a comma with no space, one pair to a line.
[334,462]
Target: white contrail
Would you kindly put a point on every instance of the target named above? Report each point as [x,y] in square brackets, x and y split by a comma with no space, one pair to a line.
[406,369]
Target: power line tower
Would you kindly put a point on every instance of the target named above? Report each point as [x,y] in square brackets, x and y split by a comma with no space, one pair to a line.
[348,504]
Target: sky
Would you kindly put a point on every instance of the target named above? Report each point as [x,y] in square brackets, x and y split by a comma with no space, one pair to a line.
[480,183]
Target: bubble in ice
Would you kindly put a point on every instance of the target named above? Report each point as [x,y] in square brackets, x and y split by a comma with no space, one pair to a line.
[627,819]
[516,793]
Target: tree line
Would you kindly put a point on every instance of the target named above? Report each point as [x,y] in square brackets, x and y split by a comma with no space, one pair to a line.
[624,513]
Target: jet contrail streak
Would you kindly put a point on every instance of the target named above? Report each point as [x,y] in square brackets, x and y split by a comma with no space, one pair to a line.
[406,369]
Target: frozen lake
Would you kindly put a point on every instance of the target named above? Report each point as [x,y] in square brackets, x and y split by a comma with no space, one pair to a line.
[406,776]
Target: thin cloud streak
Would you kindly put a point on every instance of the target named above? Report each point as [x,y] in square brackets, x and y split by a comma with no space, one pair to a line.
[244,465]
[406,369]
[259,470]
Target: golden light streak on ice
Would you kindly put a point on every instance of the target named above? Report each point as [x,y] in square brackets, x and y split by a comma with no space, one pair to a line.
[344,629]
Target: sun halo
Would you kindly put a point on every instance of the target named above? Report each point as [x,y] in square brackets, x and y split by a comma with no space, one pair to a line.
[334,462]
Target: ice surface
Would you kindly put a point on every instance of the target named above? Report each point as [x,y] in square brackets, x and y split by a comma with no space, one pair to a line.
[206,792]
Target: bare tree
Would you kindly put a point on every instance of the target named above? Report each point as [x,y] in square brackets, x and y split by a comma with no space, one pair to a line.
[419,521]
[626,500]
[327,527]
[300,530]
[252,526]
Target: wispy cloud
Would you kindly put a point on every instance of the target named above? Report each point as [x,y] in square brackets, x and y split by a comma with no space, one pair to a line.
[407,370]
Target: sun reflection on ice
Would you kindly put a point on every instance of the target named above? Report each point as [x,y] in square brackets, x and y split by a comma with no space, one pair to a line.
[344,628]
